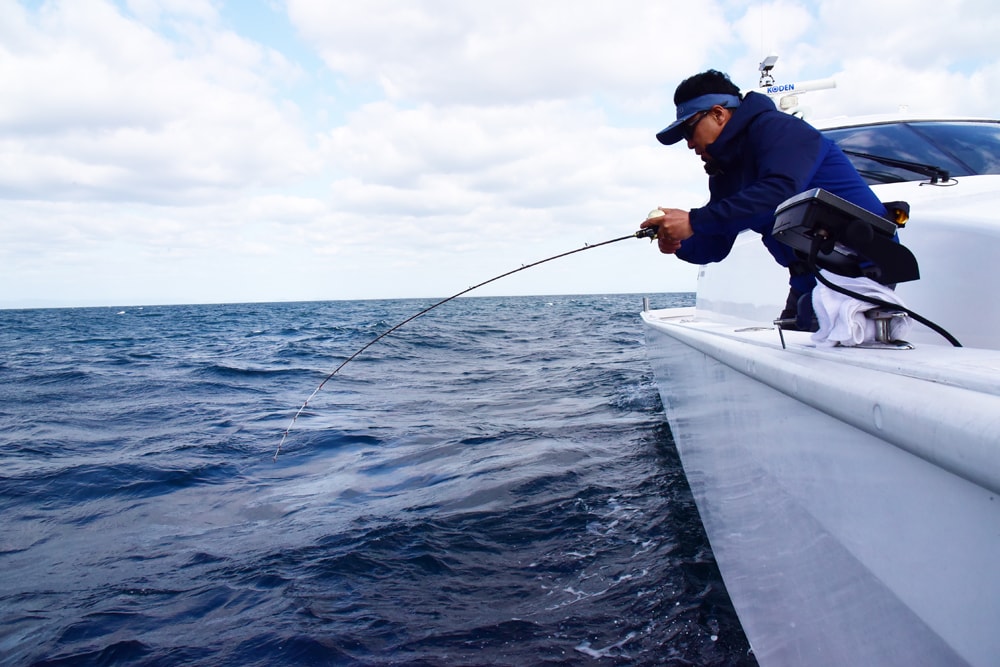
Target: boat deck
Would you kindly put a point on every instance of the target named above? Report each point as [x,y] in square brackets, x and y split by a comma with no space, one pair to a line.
[975,369]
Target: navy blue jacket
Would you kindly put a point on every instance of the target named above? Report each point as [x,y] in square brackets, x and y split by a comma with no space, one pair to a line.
[765,157]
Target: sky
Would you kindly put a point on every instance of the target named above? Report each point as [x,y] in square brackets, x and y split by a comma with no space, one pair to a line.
[220,151]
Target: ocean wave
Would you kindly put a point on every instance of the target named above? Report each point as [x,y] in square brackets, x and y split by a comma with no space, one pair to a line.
[238,371]
[492,484]
[61,486]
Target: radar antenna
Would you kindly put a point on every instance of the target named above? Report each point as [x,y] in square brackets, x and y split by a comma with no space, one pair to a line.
[765,71]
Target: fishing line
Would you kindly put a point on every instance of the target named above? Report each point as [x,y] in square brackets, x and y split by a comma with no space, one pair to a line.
[648,232]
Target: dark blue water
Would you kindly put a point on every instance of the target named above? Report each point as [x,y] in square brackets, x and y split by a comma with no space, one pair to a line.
[493,484]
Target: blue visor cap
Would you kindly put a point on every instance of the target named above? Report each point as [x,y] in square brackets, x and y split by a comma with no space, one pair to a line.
[672,133]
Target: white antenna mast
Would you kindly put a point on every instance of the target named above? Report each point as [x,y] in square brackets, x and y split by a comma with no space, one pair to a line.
[786,95]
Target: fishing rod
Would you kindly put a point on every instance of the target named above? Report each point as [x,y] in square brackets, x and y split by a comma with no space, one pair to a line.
[646,233]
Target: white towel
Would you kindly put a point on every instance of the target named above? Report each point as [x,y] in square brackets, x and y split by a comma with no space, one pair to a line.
[842,318]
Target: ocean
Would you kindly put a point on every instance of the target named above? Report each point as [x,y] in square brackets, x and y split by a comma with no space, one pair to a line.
[495,483]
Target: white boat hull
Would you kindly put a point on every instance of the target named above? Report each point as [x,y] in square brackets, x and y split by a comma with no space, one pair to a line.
[850,496]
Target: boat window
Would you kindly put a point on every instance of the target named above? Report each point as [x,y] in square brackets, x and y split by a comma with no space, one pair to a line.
[961,148]
[976,145]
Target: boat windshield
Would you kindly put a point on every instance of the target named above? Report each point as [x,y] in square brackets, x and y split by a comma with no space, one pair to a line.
[961,148]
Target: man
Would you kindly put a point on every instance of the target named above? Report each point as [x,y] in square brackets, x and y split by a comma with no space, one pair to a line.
[756,158]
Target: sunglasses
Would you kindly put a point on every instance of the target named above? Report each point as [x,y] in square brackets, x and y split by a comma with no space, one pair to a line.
[687,129]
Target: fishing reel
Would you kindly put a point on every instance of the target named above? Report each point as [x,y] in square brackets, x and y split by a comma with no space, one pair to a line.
[649,232]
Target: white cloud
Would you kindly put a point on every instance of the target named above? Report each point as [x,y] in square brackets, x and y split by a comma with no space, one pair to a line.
[507,152]
[100,107]
[151,151]
[510,52]
[153,11]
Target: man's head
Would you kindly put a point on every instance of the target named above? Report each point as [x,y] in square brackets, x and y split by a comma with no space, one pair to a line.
[704,103]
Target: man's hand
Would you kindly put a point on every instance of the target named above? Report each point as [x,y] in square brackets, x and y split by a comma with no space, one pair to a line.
[673,226]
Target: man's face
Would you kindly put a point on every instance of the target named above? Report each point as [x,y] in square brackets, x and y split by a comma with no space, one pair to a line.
[703,129]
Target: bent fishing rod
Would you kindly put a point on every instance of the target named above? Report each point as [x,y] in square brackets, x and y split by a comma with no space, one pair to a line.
[646,233]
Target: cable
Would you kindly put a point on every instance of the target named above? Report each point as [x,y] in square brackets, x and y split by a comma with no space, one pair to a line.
[814,251]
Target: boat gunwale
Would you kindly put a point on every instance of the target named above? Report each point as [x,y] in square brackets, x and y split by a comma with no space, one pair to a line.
[917,400]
